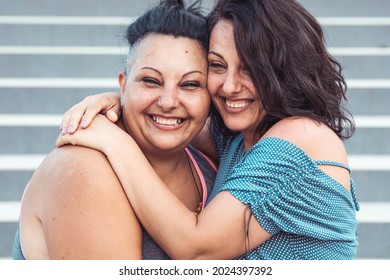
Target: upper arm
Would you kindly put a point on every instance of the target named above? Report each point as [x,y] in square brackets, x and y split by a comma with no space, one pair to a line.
[85,213]
[318,141]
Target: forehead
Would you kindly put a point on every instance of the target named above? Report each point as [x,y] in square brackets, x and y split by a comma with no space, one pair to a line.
[169,49]
[222,35]
[222,43]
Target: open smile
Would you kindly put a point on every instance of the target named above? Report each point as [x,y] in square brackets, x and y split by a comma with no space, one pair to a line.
[236,106]
[238,103]
[167,121]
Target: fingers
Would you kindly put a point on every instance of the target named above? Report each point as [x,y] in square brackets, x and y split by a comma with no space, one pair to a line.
[82,114]
[63,139]
[95,105]
[114,113]
[66,125]
[74,117]
[105,103]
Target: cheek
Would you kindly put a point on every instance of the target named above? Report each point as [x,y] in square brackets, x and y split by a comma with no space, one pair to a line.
[200,107]
[129,104]
[138,99]
[247,82]
[213,83]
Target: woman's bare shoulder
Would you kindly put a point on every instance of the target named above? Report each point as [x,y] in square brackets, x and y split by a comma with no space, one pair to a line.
[314,138]
[80,201]
[73,171]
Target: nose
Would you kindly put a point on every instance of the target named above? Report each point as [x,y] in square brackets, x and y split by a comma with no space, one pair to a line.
[233,82]
[168,99]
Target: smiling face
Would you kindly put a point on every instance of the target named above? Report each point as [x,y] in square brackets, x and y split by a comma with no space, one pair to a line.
[164,96]
[231,89]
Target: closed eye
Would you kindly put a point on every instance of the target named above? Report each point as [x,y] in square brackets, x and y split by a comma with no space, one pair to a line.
[217,67]
[190,85]
[151,81]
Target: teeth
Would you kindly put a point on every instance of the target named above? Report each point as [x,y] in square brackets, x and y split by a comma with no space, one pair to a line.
[166,121]
[237,104]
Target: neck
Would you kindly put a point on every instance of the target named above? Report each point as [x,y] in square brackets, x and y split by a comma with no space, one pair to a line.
[250,135]
[167,164]
[176,171]
[249,140]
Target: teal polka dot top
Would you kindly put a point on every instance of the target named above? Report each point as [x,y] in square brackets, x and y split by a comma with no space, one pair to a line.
[310,215]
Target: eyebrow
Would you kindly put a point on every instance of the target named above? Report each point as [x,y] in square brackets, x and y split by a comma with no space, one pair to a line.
[153,69]
[192,72]
[186,74]
[217,54]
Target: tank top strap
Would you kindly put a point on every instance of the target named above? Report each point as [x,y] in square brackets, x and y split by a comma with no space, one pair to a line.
[205,168]
[334,163]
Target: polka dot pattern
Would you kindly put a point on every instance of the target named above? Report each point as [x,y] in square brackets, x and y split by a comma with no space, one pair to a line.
[310,215]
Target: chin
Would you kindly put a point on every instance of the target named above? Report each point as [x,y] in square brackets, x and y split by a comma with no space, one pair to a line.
[170,146]
[236,125]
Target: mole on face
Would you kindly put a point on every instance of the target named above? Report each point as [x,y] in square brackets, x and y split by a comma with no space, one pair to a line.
[186,51]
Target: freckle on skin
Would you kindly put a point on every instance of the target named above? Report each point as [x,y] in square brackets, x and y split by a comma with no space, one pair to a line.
[186,51]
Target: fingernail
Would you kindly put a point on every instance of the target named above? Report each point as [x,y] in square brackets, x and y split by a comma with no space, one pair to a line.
[70,129]
[83,123]
[63,130]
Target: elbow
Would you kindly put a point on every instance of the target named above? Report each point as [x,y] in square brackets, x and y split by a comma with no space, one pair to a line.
[189,256]
[190,251]
[191,243]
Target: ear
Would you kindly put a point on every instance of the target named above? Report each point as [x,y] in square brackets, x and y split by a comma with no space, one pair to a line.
[122,80]
[122,83]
